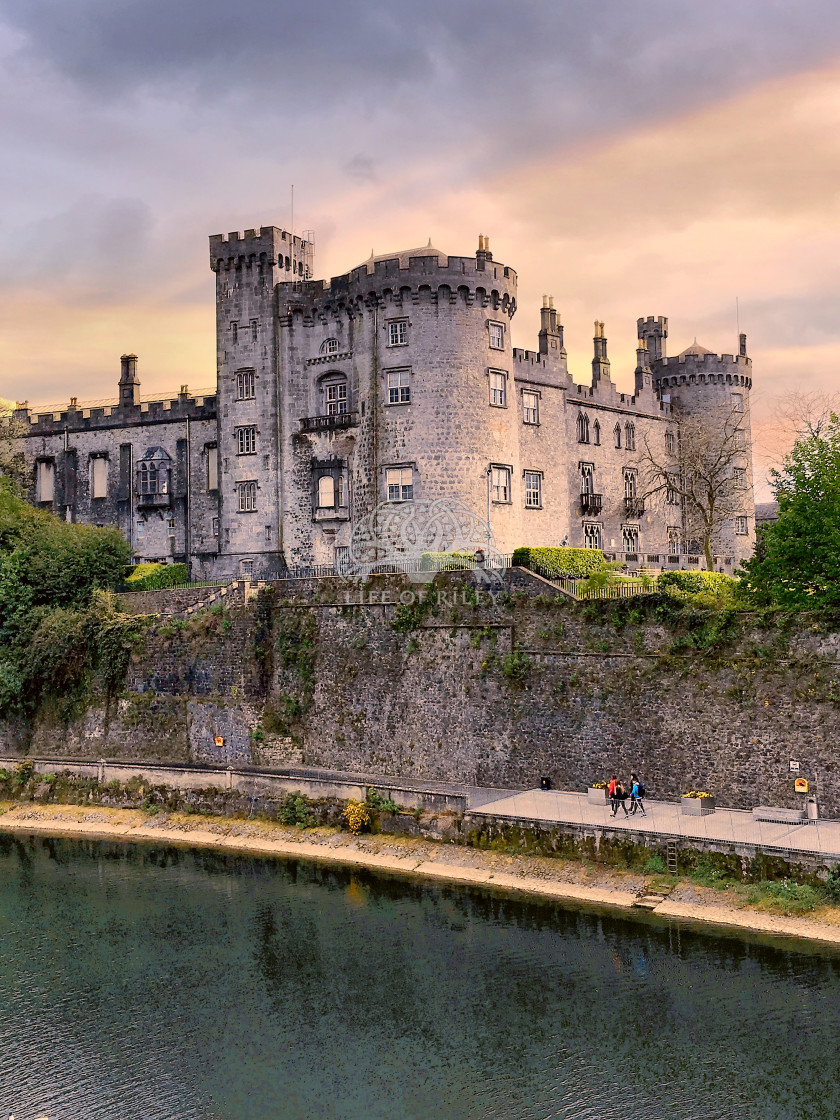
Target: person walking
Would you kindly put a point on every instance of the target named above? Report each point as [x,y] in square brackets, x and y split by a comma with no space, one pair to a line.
[620,798]
[611,793]
[637,793]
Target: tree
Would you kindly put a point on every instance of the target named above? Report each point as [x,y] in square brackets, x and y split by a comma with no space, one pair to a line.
[797,560]
[14,467]
[698,468]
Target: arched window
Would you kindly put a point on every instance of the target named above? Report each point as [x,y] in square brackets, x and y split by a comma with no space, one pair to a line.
[596,433]
[629,484]
[326,492]
[630,436]
[329,346]
[617,435]
[583,428]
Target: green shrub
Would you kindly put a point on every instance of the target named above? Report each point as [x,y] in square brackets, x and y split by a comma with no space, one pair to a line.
[655,865]
[694,583]
[517,667]
[560,563]
[435,560]
[156,577]
[295,810]
[375,800]
[832,886]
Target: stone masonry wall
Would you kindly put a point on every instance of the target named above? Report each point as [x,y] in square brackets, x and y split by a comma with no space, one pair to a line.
[482,694]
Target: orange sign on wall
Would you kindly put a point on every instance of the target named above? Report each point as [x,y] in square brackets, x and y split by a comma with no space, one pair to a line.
[801,785]
[220,742]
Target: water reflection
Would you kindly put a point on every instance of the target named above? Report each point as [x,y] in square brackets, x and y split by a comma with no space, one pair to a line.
[145,983]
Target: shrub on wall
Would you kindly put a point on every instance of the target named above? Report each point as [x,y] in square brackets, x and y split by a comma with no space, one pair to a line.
[560,563]
[155,577]
[715,583]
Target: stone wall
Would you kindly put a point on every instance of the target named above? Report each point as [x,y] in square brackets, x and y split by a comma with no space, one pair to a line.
[486,695]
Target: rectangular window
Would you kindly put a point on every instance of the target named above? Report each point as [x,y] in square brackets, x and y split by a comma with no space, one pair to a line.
[326,492]
[254,330]
[399,386]
[587,478]
[630,538]
[214,526]
[497,336]
[740,476]
[267,533]
[737,402]
[671,496]
[245,390]
[500,484]
[247,496]
[400,484]
[45,481]
[212,466]
[99,477]
[246,441]
[398,333]
[170,525]
[591,535]
[741,526]
[342,557]
[673,540]
[141,530]
[533,490]
[498,388]
[234,334]
[337,399]
[530,408]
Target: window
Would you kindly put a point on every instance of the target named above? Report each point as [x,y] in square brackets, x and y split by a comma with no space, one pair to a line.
[670,443]
[591,535]
[630,538]
[245,385]
[587,480]
[170,527]
[399,386]
[741,526]
[99,476]
[498,388]
[342,557]
[234,334]
[671,496]
[737,402]
[530,408]
[246,569]
[254,330]
[673,540]
[153,478]
[740,476]
[500,484]
[212,467]
[246,441]
[583,428]
[326,492]
[45,482]
[336,398]
[267,533]
[497,336]
[400,484]
[533,490]
[398,333]
[596,434]
[617,435]
[329,346]
[247,496]
[141,530]
[214,526]
[629,484]
[630,436]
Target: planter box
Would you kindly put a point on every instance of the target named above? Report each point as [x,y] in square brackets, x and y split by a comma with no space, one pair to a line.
[697,806]
[596,796]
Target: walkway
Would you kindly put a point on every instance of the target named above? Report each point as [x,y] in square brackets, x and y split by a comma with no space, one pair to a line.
[664,818]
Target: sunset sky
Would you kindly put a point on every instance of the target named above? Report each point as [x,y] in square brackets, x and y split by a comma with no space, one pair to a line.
[631,157]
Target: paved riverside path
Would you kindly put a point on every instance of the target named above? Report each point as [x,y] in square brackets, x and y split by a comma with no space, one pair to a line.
[664,818]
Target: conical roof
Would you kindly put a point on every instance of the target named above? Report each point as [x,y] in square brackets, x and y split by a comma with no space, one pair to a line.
[696,349]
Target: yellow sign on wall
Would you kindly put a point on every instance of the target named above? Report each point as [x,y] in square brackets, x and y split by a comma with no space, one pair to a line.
[220,743]
[801,785]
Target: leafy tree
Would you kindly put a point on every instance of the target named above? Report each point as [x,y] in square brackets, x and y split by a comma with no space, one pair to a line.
[797,560]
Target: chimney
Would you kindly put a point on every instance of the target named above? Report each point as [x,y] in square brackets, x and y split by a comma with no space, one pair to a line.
[644,379]
[551,330]
[600,361]
[742,339]
[129,382]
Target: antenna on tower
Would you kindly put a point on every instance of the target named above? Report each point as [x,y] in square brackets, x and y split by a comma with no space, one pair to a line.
[737,317]
[292,221]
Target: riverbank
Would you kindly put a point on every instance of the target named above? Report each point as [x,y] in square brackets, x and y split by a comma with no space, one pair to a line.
[563,880]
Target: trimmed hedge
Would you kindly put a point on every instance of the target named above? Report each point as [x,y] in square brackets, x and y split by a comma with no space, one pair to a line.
[154,577]
[456,559]
[693,582]
[560,563]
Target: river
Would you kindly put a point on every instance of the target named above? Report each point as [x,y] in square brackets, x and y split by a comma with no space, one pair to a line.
[143,983]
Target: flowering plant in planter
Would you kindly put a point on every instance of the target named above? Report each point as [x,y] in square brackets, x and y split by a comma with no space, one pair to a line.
[697,802]
[697,793]
[598,785]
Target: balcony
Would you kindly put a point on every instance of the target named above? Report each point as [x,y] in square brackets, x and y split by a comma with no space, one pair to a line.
[590,503]
[153,501]
[337,423]
[634,507]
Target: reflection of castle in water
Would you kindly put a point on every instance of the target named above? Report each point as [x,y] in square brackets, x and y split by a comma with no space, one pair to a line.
[392,385]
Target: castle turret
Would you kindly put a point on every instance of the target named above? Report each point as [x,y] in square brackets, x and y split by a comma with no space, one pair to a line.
[644,376]
[551,330]
[129,387]
[654,331]
[600,362]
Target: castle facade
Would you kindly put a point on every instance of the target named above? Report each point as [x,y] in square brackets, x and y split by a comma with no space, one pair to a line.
[394,382]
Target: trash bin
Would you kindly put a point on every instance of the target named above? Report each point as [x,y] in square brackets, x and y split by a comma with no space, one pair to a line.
[545,783]
[813,811]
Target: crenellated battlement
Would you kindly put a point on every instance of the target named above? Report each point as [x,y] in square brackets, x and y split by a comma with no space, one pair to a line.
[266,246]
[87,415]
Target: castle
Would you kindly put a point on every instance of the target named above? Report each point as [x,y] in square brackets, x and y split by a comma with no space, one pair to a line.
[394,382]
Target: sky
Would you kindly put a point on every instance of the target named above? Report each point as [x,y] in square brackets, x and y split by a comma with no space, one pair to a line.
[630,157]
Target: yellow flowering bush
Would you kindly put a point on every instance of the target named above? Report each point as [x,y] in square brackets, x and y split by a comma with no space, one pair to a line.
[697,793]
[356,816]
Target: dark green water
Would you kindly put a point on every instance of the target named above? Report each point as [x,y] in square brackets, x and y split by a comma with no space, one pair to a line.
[160,984]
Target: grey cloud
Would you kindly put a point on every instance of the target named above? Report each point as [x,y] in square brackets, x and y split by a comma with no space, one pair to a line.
[361,168]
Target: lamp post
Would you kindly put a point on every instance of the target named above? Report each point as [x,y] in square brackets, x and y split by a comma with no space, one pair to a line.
[489,479]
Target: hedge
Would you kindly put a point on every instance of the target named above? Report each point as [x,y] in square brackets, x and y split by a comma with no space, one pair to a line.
[450,559]
[560,563]
[154,577]
[694,582]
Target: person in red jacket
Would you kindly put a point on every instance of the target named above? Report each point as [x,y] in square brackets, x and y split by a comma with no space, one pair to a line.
[611,790]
